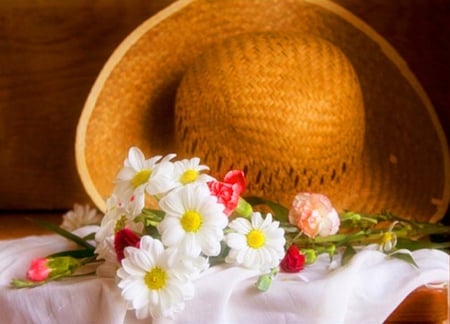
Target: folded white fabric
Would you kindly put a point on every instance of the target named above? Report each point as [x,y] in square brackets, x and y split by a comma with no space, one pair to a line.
[366,290]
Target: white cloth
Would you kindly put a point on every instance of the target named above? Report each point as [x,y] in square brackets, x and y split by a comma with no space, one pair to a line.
[367,290]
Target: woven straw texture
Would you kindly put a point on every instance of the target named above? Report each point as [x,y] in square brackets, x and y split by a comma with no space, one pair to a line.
[287,109]
[300,127]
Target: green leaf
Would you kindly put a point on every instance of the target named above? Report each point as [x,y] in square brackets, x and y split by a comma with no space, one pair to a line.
[280,212]
[155,214]
[407,257]
[58,230]
[88,237]
[404,243]
[150,217]
[349,252]
[78,254]
[17,283]
[152,231]
[220,259]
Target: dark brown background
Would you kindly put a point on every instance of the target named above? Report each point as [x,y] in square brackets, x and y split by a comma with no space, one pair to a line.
[51,52]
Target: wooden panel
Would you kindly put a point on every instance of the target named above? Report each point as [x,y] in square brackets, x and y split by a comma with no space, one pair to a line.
[17,225]
[51,52]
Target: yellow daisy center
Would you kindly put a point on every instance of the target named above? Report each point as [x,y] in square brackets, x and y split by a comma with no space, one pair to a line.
[255,239]
[189,176]
[156,278]
[141,177]
[191,221]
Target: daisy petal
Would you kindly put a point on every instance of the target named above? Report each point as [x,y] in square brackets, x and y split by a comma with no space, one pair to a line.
[136,158]
[241,225]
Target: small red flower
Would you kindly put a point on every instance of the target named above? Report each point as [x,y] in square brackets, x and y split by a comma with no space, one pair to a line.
[237,179]
[293,261]
[39,270]
[228,192]
[123,239]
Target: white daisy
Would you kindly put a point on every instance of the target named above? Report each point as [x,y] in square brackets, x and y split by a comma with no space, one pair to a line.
[118,216]
[140,175]
[194,220]
[258,244]
[189,171]
[154,281]
[80,216]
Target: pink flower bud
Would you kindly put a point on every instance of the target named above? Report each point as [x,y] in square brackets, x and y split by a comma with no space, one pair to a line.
[52,267]
[38,270]
[313,214]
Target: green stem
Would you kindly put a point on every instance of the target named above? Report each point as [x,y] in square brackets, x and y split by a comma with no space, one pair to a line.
[371,236]
[357,218]
[80,275]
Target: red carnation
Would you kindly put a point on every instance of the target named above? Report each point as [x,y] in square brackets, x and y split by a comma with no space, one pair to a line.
[124,238]
[237,179]
[293,261]
[228,192]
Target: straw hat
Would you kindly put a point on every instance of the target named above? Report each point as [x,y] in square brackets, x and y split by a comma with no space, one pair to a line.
[301,95]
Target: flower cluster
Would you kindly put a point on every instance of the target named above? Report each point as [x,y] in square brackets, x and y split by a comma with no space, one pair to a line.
[157,253]
[167,221]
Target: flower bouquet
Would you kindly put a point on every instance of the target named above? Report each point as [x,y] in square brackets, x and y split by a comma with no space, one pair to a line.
[167,221]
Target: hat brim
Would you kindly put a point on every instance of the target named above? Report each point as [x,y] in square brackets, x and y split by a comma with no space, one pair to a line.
[405,167]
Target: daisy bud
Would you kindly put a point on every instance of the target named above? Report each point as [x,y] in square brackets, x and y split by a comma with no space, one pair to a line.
[264,282]
[389,239]
[310,255]
[244,209]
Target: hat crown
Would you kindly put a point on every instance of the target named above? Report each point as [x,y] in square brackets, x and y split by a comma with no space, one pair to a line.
[293,99]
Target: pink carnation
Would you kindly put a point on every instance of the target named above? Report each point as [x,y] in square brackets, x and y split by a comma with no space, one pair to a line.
[228,192]
[38,270]
[313,214]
